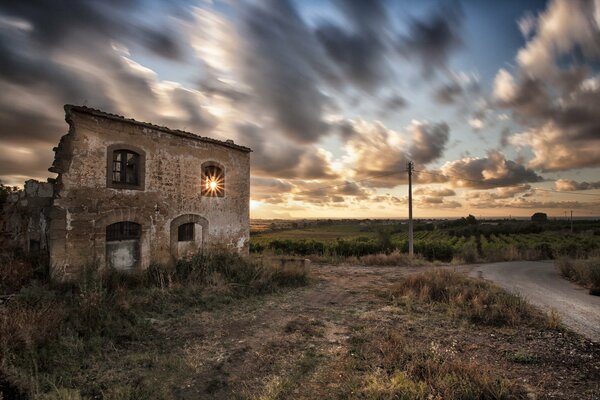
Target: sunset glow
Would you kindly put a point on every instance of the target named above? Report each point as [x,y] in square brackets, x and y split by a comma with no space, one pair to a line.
[496,103]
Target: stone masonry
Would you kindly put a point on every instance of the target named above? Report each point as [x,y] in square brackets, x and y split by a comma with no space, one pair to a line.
[130,193]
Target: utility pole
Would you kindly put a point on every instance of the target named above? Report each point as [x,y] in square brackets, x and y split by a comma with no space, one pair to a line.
[411,250]
[571,221]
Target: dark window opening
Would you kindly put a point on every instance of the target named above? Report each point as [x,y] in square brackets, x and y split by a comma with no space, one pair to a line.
[213,181]
[123,231]
[185,232]
[125,167]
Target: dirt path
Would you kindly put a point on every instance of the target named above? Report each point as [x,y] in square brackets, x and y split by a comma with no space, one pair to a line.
[244,345]
[296,344]
[540,284]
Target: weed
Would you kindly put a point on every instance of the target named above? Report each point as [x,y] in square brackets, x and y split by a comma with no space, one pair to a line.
[399,370]
[553,320]
[479,301]
[48,332]
[521,357]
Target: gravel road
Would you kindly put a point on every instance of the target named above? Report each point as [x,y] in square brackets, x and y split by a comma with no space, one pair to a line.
[540,283]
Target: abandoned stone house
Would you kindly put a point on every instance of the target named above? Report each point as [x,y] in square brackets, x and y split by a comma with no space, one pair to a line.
[130,193]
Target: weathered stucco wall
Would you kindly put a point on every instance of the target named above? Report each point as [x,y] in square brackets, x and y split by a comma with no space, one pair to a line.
[84,206]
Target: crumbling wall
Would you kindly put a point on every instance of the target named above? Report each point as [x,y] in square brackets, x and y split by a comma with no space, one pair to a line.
[84,206]
[24,217]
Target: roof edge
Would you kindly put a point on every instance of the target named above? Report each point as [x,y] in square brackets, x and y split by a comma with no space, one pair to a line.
[69,108]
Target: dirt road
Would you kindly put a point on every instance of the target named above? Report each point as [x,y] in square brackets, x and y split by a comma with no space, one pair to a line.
[540,283]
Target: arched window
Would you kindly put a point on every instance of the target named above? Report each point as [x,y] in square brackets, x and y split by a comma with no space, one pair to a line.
[125,167]
[123,245]
[213,180]
[185,232]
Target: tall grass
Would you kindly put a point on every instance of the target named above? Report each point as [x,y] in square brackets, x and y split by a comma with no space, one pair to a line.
[48,330]
[476,300]
[397,369]
[585,272]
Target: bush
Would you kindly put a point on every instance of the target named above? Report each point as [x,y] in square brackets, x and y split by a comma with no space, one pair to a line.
[478,301]
[585,272]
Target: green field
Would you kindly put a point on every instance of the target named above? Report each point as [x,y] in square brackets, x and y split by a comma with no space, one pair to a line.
[459,240]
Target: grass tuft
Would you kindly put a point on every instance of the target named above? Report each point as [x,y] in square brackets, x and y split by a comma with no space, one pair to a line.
[400,370]
[477,300]
[584,272]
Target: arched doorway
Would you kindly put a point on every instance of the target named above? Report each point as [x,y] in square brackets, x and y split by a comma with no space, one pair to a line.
[123,245]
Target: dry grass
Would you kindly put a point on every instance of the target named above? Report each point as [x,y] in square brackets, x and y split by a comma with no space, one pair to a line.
[395,258]
[49,332]
[398,369]
[584,272]
[477,300]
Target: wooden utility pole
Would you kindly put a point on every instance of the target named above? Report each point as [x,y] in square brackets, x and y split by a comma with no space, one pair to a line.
[411,250]
[571,221]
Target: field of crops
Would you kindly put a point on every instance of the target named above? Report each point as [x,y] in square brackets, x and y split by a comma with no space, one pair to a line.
[444,241]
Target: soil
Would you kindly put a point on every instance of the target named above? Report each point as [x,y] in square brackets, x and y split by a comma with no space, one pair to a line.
[294,344]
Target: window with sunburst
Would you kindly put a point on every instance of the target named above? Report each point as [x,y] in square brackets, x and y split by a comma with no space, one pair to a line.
[213,181]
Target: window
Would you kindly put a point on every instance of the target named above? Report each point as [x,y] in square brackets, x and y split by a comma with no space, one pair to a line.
[125,167]
[185,232]
[123,245]
[213,180]
[123,231]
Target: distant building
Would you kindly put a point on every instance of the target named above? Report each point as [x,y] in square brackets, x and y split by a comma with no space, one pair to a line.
[129,193]
[539,217]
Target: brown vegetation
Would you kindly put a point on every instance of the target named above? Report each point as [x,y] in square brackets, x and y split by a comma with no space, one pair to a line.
[585,272]
[49,330]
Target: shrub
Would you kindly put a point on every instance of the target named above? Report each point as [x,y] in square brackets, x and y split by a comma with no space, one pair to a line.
[479,301]
[585,272]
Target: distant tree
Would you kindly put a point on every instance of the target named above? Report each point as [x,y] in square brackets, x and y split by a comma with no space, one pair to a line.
[384,237]
[471,220]
[539,217]
[5,191]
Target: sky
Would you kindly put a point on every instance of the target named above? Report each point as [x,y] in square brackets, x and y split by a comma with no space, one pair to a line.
[497,104]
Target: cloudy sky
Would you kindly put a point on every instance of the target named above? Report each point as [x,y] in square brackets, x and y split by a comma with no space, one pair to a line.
[496,103]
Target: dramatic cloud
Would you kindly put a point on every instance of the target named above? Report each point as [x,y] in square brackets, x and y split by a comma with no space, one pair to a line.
[568,185]
[484,198]
[280,60]
[564,27]
[56,24]
[427,191]
[436,202]
[459,89]
[432,40]
[428,142]
[373,150]
[554,95]
[487,173]
[278,157]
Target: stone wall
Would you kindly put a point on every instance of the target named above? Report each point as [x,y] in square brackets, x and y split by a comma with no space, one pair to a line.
[84,206]
[24,217]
